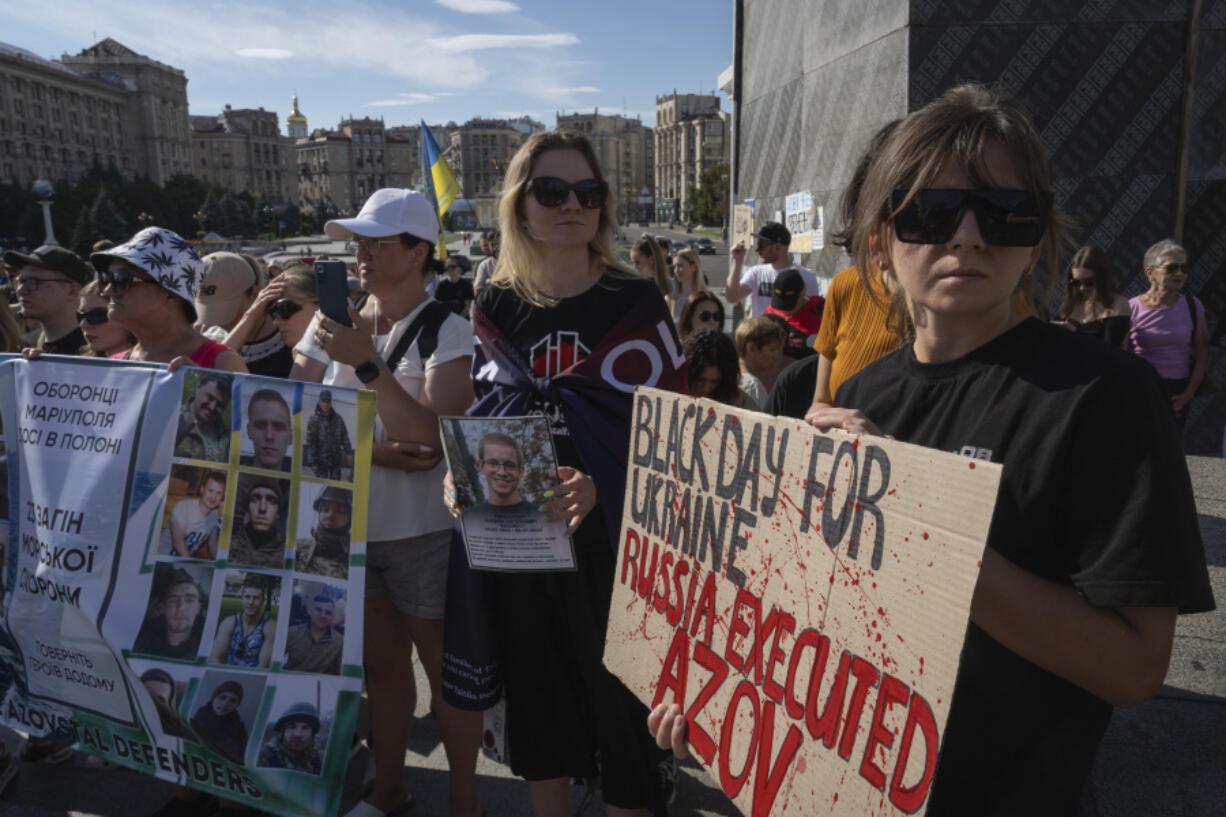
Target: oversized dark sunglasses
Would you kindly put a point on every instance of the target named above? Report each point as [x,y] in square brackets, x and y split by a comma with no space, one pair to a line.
[1006,218]
[119,279]
[710,315]
[550,191]
[1081,283]
[94,317]
[285,309]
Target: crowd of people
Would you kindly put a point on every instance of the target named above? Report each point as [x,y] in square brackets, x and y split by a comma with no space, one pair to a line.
[930,336]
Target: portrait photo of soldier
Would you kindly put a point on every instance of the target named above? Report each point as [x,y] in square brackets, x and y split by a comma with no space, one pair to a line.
[174,616]
[204,418]
[225,707]
[322,545]
[161,686]
[192,520]
[268,431]
[245,636]
[327,447]
[315,639]
[261,508]
[291,742]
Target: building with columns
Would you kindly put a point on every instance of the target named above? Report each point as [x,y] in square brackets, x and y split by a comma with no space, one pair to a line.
[243,150]
[691,134]
[340,168]
[626,151]
[155,128]
[107,106]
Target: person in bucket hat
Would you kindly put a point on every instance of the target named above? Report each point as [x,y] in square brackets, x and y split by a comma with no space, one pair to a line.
[151,282]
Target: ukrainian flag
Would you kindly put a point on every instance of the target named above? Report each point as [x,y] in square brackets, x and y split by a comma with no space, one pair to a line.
[440,181]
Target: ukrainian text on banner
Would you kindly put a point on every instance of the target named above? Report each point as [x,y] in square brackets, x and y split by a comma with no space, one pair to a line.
[184,571]
[802,596]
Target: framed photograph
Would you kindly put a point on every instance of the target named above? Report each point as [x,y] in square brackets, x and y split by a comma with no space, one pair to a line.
[502,467]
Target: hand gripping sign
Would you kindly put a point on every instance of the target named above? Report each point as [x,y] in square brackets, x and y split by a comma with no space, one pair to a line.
[803,597]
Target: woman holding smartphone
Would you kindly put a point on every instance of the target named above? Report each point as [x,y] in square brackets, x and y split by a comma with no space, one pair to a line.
[1094,546]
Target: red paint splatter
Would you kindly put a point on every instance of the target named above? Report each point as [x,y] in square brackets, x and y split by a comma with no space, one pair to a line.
[971,465]
[925,535]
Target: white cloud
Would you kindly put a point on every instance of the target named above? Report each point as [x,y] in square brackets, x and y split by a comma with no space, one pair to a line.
[265,53]
[404,99]
[481,42]
[479,6]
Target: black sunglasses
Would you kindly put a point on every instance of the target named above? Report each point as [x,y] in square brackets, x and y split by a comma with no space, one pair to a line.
[709,315]
[1006,218]
[94,317]
[1081,283]
[550,191]
[119,280]
[285,309]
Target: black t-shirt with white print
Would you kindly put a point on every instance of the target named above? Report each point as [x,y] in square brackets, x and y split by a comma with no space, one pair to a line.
[1094,494]
[555,338]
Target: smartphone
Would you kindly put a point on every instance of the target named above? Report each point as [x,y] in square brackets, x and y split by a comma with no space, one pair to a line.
[332,281]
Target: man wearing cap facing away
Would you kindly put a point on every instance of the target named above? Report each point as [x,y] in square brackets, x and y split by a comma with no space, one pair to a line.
[48,284]
[802,313]
[758,281]
[235,311]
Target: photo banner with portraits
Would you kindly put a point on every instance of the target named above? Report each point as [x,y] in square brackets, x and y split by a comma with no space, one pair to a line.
[183,571]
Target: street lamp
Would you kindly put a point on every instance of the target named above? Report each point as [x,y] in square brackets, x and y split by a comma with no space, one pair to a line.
[43,189]
[200,217]
[145,219]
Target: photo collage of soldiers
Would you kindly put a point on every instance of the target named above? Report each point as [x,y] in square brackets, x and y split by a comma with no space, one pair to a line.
[250,565]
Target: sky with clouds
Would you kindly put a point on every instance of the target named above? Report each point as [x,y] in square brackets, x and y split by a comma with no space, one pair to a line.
[436,60]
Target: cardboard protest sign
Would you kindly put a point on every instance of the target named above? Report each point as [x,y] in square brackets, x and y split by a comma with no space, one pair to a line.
[742,224]
[156,606]
[802,596]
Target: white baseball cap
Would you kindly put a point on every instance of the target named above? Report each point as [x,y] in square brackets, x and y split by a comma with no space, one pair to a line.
[227,277]
[390,211]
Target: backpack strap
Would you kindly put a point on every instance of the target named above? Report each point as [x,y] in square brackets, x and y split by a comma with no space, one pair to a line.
[1192,312]
[423,330]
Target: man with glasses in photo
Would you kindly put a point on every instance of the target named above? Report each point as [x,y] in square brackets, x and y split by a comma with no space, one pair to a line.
[758,282]
[48,284]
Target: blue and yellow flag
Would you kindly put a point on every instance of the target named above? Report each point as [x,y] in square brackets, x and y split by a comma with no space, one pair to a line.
[440,181]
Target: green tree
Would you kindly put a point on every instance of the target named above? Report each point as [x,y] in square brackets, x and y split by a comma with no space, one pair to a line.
[107,221]
[83,232]
[183,197]
[710,198]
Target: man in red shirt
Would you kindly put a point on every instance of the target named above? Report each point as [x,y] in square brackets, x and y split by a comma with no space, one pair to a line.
[802,313]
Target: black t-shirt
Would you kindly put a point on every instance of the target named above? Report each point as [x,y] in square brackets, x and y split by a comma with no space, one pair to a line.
[459,291]
[1094,494]
[557,337]
[70,344]
[793,391]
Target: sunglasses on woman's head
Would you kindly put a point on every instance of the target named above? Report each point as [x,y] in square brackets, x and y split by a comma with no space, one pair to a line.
[285,308]
[550,191]
[94,317]
[119,279]
[1006,218]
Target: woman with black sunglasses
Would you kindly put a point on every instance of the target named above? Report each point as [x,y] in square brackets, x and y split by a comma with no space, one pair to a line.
[150,284]
[1094,545]
[103,337]
[701,310]
[566,333]
[1091,305]
[297,300]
